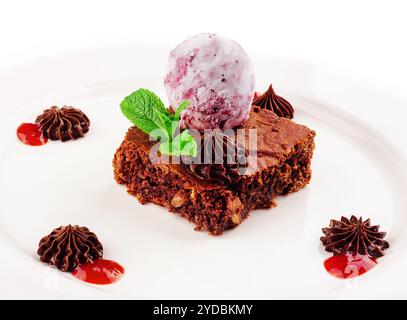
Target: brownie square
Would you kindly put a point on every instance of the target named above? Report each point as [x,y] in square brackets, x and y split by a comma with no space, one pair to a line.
[284,152]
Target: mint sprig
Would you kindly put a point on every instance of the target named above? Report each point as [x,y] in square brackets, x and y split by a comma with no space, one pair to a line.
[182,144]
[180,108]
[147,112]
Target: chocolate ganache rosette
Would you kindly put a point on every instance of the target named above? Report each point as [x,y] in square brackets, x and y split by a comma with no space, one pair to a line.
[355,236]
[220,157]
[271,101]
[63,124]
[69,246]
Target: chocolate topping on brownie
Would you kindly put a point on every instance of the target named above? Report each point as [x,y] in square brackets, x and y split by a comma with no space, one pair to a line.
[69,246]
[63,124]
[218,146]
[354,235]
[271,101]
[276,137]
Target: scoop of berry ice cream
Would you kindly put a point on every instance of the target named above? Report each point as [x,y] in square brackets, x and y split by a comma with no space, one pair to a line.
[216,75]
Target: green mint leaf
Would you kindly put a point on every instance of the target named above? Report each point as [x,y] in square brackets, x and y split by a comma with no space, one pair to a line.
[151,98]
[190,149]
[146,111]
[160,134]
[172,127]
[181,108]
[183,144]
[166,148]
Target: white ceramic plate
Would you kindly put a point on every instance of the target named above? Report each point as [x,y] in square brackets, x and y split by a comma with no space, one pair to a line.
[357,168]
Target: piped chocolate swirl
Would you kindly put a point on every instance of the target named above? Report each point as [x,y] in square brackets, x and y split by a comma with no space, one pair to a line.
[271,101]
[220,157]
[354,235]
[69,246]
[63,124]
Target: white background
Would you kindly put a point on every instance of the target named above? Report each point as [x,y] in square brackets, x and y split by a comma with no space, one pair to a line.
[364,39]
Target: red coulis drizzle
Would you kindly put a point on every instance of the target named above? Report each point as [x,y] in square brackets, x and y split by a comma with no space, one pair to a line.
[31,134]
[346,266]
[100,271]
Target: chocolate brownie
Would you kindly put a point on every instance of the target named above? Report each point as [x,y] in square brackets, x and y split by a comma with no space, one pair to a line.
[284,152]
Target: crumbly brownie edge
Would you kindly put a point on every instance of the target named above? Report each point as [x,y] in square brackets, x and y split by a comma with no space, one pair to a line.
[259,191]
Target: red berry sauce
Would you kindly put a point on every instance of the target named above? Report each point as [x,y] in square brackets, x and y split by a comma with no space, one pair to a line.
[31,134]
[99,272]
[346,266]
